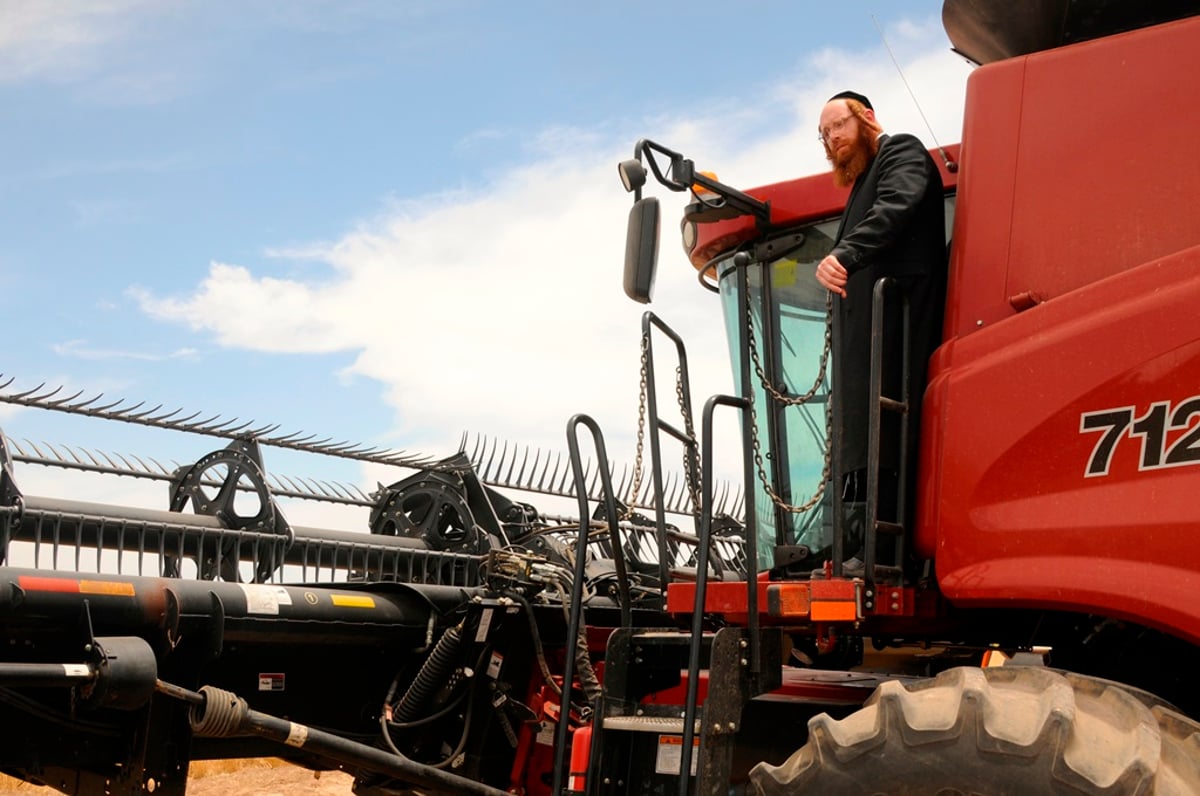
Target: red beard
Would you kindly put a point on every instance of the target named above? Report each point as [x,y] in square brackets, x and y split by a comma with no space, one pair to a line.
[853,159]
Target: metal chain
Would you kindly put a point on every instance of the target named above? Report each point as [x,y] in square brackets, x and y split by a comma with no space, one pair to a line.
[688,425]
[688,428]
[785,400]
[636,488]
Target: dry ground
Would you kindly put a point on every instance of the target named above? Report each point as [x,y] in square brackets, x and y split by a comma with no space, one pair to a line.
[257,777]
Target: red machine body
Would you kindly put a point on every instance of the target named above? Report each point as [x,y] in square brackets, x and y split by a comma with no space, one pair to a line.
[1061,424]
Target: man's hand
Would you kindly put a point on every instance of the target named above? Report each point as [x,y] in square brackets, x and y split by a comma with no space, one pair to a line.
[832,275]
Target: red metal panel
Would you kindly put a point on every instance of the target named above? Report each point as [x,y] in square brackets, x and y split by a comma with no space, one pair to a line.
[979,248]
[1020,520]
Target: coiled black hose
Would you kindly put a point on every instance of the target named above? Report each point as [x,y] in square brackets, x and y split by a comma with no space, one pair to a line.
[431,677]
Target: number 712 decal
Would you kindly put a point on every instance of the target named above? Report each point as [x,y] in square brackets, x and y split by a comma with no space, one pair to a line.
[1115,425]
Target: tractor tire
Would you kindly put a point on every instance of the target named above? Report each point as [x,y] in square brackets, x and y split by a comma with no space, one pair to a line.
[988,732]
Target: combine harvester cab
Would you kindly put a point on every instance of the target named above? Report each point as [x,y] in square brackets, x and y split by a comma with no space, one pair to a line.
[1050,519]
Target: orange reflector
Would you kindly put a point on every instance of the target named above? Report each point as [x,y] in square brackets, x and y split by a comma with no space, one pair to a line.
[788,600]
[834,611]
[834,601]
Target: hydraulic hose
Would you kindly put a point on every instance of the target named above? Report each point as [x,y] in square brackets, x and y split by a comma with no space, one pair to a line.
[220,713]
[431,677]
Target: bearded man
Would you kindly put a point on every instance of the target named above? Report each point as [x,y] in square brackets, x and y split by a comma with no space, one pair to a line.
[893,226]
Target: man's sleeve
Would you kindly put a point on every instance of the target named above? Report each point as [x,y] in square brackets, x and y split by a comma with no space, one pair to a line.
[904,176]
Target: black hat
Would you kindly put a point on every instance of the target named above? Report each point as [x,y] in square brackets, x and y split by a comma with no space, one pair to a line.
[854,95]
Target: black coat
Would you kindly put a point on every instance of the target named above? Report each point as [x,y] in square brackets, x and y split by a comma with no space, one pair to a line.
[894,225]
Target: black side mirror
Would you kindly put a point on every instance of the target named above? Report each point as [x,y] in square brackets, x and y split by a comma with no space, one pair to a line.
[641,249]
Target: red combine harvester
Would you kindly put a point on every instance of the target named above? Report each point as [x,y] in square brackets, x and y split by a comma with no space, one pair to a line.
[1020,623]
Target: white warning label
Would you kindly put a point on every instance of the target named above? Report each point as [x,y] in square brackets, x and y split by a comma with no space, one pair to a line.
[263,599]
[670,754]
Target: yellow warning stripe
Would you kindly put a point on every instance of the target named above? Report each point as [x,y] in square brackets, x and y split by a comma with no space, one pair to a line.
[352,600]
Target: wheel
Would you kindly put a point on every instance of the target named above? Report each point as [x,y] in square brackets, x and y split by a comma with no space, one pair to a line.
[987,732]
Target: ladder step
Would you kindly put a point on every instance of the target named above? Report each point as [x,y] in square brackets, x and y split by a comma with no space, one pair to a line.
[666,636]
[893,528]
[893,406]
[658,724]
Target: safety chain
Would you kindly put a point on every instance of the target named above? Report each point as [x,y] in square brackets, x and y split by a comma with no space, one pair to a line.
[636,489]
[791,401]
[688,427]
[689,472]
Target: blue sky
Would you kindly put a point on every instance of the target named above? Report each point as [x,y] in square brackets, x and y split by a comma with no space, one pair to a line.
[391,222]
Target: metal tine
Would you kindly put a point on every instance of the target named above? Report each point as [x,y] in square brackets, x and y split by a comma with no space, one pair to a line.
[672,491]
[67,400]
[477,454]
[537,458]
[474,456]
[261,431]
[170,416]
[92,455]
[554,475]
[95,410]
[225,428]
[290,438]
[162,469]
[187,422]
[332,490]
[125,412]
[125,461]
[719,503]
[107,459]
[73,455]
[512,465]
[141,463]
[11,379]
[503,459]
[32,446]
[593,488]
[289,483]
[620,489]
[361,449]
[35,390]
[491,458]
[131,416]
[340,447]
[329,488]
[84,404]
[567,478]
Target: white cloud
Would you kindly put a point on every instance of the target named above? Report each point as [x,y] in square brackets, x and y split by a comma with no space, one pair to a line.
[500,311]
[63,39]
[79,349]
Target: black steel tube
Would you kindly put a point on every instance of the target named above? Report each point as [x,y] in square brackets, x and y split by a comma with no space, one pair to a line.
[224,714]
[705,534]
[45,674]
[575,614]
[651,321]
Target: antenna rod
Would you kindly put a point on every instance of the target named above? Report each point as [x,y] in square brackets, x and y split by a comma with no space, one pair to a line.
[951,166]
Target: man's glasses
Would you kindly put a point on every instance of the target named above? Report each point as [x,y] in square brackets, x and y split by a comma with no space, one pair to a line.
[834,127]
